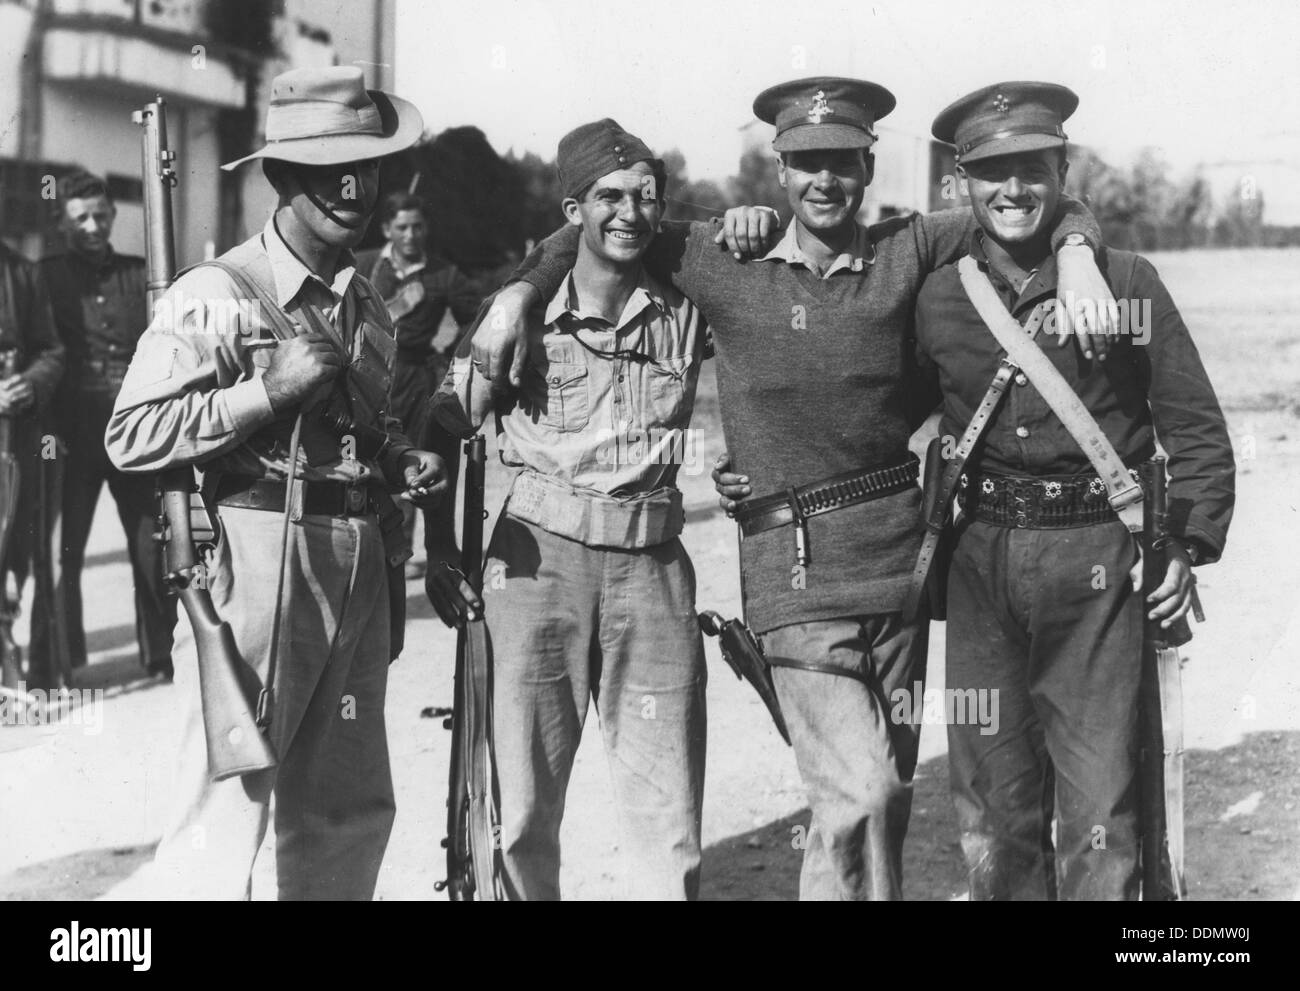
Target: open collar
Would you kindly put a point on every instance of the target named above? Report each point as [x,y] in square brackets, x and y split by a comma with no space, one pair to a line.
[647,293]
[290,274]
[861,252]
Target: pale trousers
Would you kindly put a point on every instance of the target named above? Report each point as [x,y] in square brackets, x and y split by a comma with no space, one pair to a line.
[571,624]
[333,788]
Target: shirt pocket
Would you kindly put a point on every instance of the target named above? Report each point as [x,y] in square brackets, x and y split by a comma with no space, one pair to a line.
[669,381]
[568,396]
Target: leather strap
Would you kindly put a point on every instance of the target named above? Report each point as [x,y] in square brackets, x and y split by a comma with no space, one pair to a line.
[1124,493]
[837,492]
[938,516]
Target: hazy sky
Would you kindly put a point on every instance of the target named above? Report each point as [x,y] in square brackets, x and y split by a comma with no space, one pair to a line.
[1212,81]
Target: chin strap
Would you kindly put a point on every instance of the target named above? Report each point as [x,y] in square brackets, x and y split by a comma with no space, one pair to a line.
[319,204]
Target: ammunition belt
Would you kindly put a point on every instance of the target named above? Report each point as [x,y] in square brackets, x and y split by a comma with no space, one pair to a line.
[1044,502]
[828,495]
[324,498]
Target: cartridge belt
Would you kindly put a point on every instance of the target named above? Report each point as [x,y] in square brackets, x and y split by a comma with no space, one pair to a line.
[323,498]
[1044,502]
[800,502]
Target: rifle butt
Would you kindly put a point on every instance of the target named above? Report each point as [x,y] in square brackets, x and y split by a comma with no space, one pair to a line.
[235,745]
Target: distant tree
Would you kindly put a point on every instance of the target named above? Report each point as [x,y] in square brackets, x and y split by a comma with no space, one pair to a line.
[688,200]
[755,183]
[1241,223]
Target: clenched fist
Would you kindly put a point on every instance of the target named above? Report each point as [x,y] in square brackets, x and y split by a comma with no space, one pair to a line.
[298,367]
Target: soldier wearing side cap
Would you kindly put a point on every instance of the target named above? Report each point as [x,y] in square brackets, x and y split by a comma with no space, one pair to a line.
[222,388]
[1028,618]
[816,388]
[596,594]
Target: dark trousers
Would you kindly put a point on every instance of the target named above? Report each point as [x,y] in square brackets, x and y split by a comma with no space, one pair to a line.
[1046,622]
[86,469]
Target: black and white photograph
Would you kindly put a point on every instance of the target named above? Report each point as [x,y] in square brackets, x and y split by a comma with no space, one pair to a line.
[768,451]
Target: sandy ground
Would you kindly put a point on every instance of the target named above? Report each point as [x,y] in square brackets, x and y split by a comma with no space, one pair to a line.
[82,804]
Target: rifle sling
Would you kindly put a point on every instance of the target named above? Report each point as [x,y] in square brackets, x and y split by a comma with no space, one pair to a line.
[1124,492]
[938,515]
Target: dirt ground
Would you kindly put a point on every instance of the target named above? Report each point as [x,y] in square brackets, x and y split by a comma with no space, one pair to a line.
[81,804]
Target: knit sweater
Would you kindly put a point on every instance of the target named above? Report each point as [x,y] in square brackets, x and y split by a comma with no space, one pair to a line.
[815,378]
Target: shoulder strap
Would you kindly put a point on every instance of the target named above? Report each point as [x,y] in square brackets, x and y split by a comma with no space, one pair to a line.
[281,326]
[1124,493]
[936,517]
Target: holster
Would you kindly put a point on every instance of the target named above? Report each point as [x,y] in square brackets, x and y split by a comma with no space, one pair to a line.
[936,583]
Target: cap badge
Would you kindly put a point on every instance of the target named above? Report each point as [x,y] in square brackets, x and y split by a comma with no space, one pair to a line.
[819,108]
[1001,104]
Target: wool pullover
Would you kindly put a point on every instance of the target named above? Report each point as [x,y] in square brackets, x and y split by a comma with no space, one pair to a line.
[816,377]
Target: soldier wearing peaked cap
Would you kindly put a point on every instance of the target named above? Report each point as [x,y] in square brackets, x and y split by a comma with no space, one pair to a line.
[200,392]
[1042,614]
[816,387]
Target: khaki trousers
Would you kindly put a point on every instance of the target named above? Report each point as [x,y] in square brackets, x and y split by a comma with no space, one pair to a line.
[333,789]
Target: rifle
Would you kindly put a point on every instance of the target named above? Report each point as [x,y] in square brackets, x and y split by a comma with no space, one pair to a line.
[235,744]
[473,822]
[11,658]
[1160,711]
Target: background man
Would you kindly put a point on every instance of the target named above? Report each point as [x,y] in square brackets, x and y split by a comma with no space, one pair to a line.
[198,394]
[599,595]
[816,389]
[27,329]
[100,310]
[419,290]
[1028,618]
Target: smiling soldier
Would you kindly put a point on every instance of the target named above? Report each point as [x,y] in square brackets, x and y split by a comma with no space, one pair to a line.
[598,595]
[817,391]
[1040,609]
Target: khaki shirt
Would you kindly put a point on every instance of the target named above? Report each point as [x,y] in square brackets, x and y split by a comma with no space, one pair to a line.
[613,416]
[194,391]
[861,252]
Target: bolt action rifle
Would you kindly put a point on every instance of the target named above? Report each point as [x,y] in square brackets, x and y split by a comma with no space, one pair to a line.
[473,822]
[236,744]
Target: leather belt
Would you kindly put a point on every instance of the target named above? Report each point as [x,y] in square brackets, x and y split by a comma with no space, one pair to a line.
[797,503]
[1053,502]
[324,498]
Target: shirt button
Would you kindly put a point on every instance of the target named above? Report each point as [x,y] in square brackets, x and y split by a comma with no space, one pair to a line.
[618,148]
[555,380]
[618,399]
[99,299]
[620,378]
[1021,378]
[1022,432]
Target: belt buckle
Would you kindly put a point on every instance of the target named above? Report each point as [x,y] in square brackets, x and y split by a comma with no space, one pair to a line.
[354,499]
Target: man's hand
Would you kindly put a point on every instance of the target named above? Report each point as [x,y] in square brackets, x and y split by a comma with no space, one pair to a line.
[1085,306]
[1174,596]
[425,477]
[298,367]
[449,593]
[749,231]
[16,395]
[498,353]
[732,489]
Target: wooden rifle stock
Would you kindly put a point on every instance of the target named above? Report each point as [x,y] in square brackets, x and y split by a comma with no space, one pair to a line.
[472,820]
[235,745]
